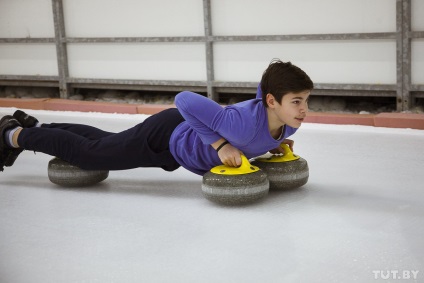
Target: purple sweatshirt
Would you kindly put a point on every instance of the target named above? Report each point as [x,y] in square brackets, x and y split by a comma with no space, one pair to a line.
[244,125]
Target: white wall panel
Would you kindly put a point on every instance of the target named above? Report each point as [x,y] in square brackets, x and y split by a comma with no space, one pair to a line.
[240,17]
[147,61]
[29,59]
[325,62]
[417,56]
[26,18]
[417,65]
[417,12]
[117,18]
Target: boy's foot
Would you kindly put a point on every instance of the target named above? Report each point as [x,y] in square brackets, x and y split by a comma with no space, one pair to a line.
[24,119]
[8,154]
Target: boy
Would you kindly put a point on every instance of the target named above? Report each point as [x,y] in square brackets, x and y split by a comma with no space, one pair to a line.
[198,135]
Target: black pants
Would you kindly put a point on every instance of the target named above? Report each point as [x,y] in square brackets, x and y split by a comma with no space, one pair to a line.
[144,145]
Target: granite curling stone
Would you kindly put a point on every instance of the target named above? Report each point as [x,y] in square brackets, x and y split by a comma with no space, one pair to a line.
[64,174]
[285,172]
[234,186]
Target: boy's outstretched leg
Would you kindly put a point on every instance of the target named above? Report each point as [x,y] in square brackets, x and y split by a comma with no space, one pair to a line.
[86,131]
[89,148]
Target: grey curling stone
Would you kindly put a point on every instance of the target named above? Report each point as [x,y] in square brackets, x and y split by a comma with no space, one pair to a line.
[64,174]
[235,189]
[285,175]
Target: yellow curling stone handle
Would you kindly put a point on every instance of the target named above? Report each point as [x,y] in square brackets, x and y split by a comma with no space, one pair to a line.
[245,168]
[287,156]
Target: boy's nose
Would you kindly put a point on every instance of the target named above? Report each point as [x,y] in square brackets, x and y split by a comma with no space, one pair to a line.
[304,108]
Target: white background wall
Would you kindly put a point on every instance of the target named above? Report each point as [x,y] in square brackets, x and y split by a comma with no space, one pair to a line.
[27,18]
[365,61]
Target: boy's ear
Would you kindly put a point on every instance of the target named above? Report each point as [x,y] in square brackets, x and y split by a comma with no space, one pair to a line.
[270,100]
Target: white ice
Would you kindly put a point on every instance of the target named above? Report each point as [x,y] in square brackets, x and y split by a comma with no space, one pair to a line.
[360,218]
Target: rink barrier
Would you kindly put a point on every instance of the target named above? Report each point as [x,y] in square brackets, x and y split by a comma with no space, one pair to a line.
[390,120]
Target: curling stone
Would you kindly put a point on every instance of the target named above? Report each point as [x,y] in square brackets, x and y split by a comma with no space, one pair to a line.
[285,172]
[232,186]
[64,174]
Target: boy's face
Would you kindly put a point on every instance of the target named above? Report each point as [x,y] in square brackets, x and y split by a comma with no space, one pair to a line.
[292,110]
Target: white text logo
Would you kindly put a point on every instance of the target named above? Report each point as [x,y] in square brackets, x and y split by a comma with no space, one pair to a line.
[395,274]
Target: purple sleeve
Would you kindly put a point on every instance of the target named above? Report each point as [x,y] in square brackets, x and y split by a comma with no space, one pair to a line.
[210,120]
[259,91]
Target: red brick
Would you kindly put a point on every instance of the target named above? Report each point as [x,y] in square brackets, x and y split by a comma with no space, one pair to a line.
[31,103]
[400,120]
[344,119]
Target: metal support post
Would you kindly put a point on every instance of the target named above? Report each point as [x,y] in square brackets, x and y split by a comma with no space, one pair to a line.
[403,54]
[61,52]
[209,50]
[406,55]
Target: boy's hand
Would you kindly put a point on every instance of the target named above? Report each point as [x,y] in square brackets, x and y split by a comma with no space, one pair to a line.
[279,149]
[228,154]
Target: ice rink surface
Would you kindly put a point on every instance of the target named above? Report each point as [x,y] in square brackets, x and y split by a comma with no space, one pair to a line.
[360,218]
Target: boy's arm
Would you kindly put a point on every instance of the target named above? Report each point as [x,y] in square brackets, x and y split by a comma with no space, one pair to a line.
[213,124]
[210,121]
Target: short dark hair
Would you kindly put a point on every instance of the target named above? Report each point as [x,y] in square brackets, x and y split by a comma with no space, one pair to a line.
[281,78]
